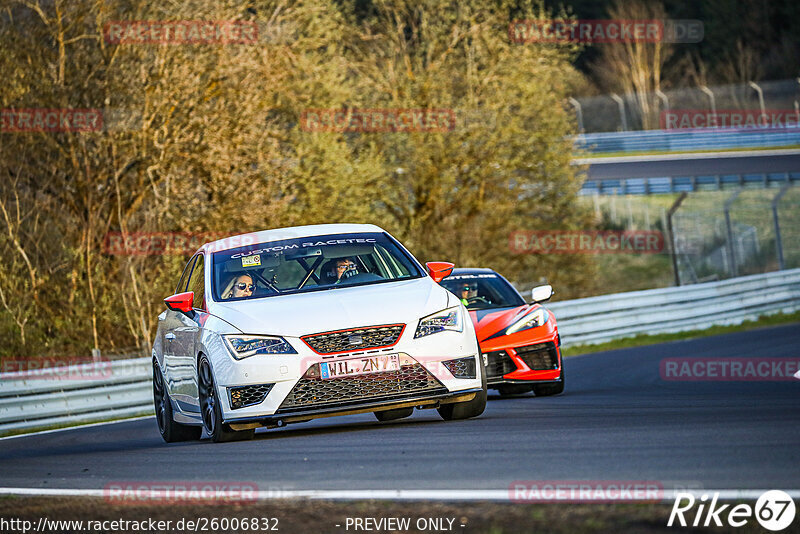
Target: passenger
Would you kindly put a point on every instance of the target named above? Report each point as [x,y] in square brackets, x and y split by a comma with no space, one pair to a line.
[239,286]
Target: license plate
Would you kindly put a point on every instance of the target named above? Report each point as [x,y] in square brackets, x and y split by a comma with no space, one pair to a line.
[360,366]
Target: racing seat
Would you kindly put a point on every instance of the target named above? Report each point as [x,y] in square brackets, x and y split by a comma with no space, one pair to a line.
[328,272]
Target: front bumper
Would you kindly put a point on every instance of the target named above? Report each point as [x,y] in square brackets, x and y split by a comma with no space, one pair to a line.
[430,400]
[519,360]
[265,390]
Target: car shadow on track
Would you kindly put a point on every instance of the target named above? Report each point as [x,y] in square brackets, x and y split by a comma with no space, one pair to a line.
[350,427]
[497,397]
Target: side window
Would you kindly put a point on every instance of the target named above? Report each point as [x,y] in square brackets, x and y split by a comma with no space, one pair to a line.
[197,283]
[185,276]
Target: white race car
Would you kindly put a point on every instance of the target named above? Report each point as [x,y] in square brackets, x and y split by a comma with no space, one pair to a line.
[288,325]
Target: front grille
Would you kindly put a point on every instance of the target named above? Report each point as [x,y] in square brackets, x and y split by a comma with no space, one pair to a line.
[462,367]
[499,363]
[369,337]
[311,391]
[539,357]
[242,396]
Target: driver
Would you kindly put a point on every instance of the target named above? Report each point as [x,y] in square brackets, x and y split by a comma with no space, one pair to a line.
[469,290]
[345,268]
[336,270]
[239,286]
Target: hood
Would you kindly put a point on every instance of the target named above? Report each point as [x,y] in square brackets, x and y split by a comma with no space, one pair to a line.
[336,309]
[489,322]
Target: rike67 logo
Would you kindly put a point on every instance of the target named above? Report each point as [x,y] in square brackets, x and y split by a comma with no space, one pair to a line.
[774,510]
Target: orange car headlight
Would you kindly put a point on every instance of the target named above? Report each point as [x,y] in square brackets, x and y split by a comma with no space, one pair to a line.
[536,318]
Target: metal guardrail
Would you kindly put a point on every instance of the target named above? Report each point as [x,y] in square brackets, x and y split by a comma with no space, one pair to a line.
[126,390]
[679,184]
[676,309]
[687,140]
[121,388]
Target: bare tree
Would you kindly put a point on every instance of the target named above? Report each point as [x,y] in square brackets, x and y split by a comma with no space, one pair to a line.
[634,67]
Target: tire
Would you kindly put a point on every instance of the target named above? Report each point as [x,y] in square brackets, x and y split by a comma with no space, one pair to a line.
[392,415]
[170,430]
[509,390]
[467,409]
[547,390]
[211,410]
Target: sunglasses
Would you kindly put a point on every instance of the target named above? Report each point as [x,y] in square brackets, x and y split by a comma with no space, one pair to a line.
[241,286]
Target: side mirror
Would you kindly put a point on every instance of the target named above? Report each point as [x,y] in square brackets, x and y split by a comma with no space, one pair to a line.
[439,270]
[542,293]
[182,302]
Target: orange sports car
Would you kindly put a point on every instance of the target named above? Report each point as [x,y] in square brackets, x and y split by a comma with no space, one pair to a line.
[519,340]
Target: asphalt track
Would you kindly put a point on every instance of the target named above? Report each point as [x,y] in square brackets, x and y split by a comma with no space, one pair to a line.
[618,420]
[692,164]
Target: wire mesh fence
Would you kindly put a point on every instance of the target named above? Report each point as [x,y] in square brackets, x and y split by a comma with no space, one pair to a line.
[716,235]
[612,113]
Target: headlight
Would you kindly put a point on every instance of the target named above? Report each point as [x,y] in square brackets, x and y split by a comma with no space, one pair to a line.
[246,346]
[449,319]
[533,319]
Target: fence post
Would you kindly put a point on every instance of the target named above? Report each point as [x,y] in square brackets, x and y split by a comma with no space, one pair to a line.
[778,241]
[578,112]
[731,244]
[621,104]
[711,99]
[660,94]
[671,236]
[755,86]
[665,101]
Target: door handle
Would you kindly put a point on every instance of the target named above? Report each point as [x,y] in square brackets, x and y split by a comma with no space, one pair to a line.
[170,336]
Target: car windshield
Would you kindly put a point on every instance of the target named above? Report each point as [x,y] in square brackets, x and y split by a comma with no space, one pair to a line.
[309,264]
[482,290]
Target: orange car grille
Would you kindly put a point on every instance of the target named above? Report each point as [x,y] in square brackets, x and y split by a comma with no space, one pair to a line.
[539,357]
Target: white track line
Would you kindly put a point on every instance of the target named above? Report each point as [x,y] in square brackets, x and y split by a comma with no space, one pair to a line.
[88,425]
[500,495]
[685,156]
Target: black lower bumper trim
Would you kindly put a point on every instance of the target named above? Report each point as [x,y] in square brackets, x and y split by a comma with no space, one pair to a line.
[502,381]
[436,395]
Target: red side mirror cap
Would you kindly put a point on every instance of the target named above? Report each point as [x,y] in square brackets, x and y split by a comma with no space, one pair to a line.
[182,302]
[439,270]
